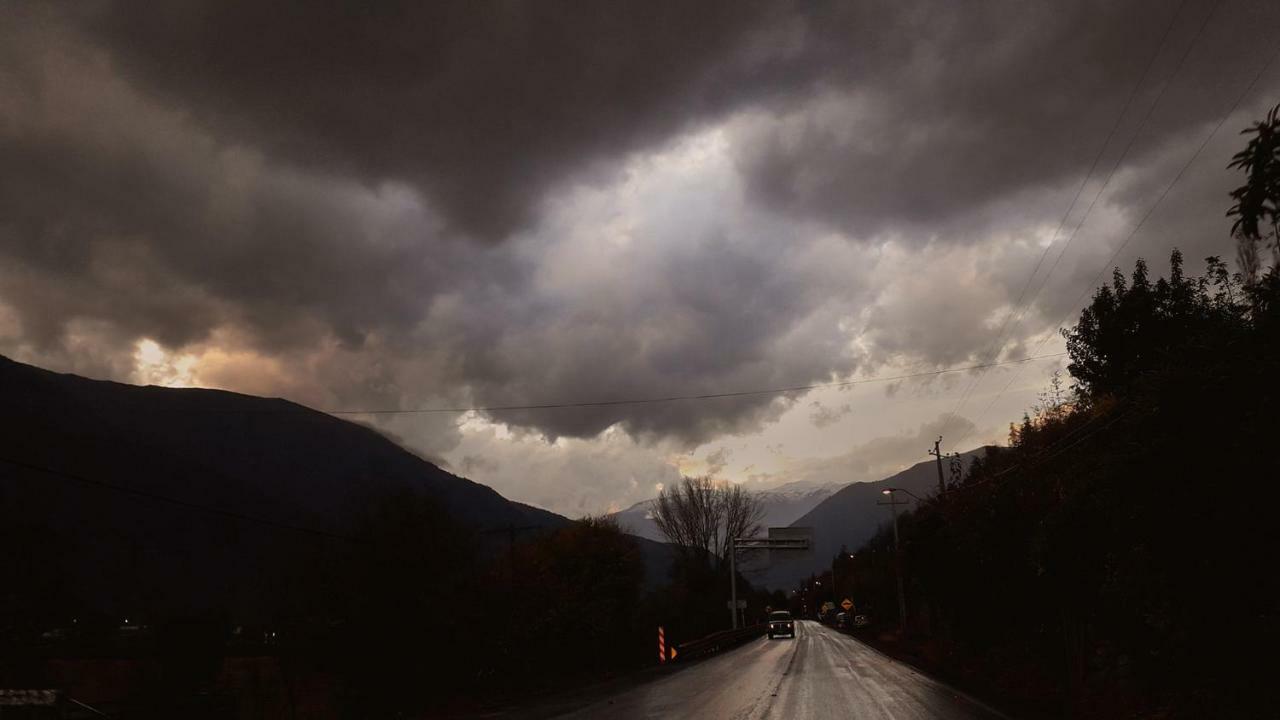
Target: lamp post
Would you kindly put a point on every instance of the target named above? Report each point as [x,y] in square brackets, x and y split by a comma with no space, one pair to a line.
[890,491]
[897,554]
[733,583]
[835,586]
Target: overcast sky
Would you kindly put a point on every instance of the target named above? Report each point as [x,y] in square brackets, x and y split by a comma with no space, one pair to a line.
[359,205]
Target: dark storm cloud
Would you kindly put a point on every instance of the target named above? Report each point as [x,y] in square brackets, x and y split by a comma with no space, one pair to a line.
[702,301]
[874,112]
[929,114]
[304,183]
[136,218]
[481,105]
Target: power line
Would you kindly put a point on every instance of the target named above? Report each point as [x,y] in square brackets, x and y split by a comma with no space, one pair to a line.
[1150,211]
[224,513]
[1060,450]
[1018,308]
[1125,153]
[679,398]
[1203,144]
[1048,453]
[267,522]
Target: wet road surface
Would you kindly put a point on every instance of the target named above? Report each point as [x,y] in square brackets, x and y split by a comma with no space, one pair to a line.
[820,674]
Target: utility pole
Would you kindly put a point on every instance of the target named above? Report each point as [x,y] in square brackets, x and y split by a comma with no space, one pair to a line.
[936,452]
[897,558]
[733,581]
[897,565]
[835,588]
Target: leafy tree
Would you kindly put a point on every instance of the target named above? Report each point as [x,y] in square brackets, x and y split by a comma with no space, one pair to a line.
[1257,202]
[1132,328]
[576,608]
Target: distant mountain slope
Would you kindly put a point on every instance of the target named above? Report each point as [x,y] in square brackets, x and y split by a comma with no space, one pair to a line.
[848,518]
[782,506]
[242,455]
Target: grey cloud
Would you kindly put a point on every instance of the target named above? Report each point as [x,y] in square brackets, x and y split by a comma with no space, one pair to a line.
[880,457]
[117,208]
[571,477]
[717,461]
[983,101]
[1134,217]
[303,185]
[1192,216]
[481,105]
[822,415]
[133,218]
[676,315]
[866,114]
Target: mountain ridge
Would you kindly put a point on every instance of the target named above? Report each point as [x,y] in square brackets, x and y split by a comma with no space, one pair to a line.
[98,467]
[847,518]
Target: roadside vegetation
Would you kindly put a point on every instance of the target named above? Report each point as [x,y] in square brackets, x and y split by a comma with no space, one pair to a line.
[1117,556]
[420,615]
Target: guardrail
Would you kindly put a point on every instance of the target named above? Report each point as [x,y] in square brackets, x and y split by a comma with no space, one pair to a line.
[715,642]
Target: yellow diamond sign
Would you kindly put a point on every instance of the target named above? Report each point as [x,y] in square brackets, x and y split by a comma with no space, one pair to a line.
[847,604]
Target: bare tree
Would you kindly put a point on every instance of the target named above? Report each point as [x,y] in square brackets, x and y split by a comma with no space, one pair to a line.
[700,514]
[742,515]
[684,513]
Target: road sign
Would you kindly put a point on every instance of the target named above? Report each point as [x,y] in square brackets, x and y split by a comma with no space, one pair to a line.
[742,604]
[847,604]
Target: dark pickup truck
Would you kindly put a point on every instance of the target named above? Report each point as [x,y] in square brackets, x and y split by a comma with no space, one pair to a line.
[780,623]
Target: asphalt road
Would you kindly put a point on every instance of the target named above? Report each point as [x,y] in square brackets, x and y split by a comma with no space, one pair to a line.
[820,674]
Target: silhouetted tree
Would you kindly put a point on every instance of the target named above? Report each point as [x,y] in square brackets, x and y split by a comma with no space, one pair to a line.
[577,606]
[699,515]
[1257,202]
[742,515]
[1117,557]
[1121,538]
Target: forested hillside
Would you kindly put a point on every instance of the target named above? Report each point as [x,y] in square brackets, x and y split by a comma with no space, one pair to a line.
[173,532]
[1115,556]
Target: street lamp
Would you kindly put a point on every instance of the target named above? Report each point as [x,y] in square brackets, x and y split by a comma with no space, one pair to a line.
[897,553]
[835,586]
[892,490]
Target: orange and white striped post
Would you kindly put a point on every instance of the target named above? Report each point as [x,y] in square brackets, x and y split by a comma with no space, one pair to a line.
[662,646]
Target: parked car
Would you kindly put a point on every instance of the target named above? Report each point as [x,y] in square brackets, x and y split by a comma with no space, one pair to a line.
[861,621]
[781,623]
